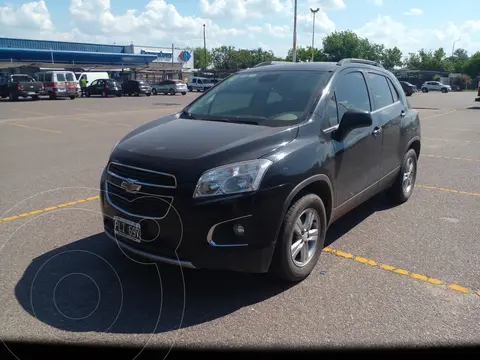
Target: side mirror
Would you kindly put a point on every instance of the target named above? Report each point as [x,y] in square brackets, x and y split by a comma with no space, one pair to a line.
[353,119]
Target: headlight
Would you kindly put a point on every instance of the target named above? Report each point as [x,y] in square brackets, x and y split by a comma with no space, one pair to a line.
[235,178]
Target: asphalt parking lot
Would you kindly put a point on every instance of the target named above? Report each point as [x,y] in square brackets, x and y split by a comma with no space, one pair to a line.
[408,275]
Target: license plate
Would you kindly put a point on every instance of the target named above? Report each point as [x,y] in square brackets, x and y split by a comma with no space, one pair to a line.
[127,229]
[31,93]
[61,90]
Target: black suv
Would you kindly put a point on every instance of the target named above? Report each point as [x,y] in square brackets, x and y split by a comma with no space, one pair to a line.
[249,176]
[136,87]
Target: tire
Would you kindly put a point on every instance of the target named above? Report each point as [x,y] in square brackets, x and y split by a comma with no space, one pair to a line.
[409,94]
[35,98]
[53,96]
[104,94]
[424,90]
[172,92]
[189,88]
[154,91]
[184,93]
[444,90]
[73,97]
[398,193]
[283,265]
[12,97]
[148,94]
[87,94]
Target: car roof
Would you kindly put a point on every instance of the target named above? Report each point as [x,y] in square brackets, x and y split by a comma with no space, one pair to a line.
[314,66]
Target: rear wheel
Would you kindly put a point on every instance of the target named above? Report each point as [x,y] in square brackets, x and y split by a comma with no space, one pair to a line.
[172,92]
[402,188]
[184,93]
[87,94]
[154,91]
[12,97]
[148,94]
[424,90]
[301,239]
[104,94]
[444,90]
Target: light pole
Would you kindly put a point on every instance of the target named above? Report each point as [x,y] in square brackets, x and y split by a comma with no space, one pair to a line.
[453,46]
[204,50]
[294,50]
[314,12]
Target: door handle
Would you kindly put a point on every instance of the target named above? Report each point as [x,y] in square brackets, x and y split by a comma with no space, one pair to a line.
[377,131]
[403,113]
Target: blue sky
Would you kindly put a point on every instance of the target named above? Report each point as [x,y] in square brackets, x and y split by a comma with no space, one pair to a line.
[244,23]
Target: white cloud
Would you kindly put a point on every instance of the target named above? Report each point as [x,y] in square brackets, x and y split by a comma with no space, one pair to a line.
[386,31]
[413,12]
[242,9]
[327,4]
[29,17]
[377,2]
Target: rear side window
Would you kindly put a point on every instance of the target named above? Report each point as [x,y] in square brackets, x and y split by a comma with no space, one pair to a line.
[60,77]
[352,93]
[395,94]
[48,77]
[381,90]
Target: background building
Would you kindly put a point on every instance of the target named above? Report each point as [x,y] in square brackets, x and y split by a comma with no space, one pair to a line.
[121,61]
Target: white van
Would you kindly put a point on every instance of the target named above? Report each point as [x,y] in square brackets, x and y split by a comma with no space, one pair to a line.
[58,84]
[92,76]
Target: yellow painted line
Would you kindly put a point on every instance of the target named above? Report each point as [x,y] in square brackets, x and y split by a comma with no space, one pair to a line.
[437,115]
[443,139]
[32,127]
[448,190]
[403,272]
[449,157]
[47,209]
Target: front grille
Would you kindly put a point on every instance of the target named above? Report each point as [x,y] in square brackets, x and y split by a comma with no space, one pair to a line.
[138,204]
[142,176]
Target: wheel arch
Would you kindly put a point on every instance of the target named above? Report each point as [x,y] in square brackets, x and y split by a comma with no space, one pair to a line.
[414,144]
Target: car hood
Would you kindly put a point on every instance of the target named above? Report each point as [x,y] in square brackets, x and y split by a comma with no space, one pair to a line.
[176,145]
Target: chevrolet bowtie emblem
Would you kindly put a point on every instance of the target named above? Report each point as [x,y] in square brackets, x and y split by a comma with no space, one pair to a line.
[130,186]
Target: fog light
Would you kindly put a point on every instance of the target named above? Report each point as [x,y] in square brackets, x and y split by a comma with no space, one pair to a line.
[238,230]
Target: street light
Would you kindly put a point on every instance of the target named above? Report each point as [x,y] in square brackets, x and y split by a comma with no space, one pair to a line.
[204,50]
[294,50]
[313,32]
[453,46]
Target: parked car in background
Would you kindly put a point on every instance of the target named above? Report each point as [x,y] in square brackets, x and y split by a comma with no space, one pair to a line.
[279,153]
[20,85]
[435,86]
[408,89]
[478,92]
[58,84]
[104,88]
[171,87]
[199,84]
[136,88]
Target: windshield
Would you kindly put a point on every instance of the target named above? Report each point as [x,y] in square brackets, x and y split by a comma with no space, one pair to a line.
[69,77]
[22,78]
[271,98]
[60,77]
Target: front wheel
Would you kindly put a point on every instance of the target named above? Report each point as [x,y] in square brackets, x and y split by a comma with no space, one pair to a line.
[444,90]
[424,90]
[172,92]
[148,94]
[301,239]
[184,93]
[154,91]
[12,97]
[73,97]
[402,188]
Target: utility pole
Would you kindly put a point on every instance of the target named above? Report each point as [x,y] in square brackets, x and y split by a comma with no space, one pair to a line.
[314,12]
[204,50]
[294,50]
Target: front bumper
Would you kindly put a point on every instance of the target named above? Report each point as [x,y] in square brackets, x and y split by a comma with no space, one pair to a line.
[199,234]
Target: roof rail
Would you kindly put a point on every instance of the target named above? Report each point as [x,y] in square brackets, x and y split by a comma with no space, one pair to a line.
[359,61]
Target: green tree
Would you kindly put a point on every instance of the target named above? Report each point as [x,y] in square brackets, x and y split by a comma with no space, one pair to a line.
[343,44]
[199,58]
[429,60]
[459,60]
[472,66]
[391,58]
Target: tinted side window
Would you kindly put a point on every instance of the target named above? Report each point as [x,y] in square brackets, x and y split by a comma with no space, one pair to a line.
[48,77]
[331,114]
[194,81]
[351,92]
[395,93]
[380,90]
